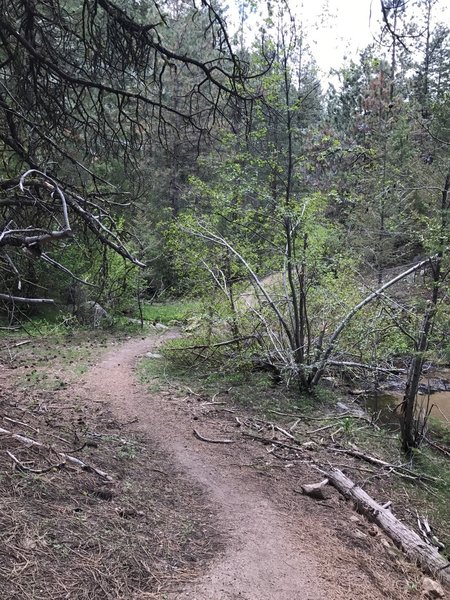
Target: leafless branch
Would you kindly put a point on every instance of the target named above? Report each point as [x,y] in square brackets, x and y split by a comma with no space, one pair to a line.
[20,300]
[318,369]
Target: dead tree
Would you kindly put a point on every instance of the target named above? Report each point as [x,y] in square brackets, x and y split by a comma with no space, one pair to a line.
[280,330]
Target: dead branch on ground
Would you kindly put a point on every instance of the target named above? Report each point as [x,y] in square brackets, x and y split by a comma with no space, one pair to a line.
[268,441]
[211,441]
[20,465]
[67,458]
[217,345]
[401,470]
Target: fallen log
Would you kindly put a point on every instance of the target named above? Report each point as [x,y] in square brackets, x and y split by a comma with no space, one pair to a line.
[410,542]
[12,299]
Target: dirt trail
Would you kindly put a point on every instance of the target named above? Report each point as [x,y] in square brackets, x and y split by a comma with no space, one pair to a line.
[270,552]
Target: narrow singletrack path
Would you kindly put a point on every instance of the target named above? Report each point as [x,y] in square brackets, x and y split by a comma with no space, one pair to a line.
[270,553]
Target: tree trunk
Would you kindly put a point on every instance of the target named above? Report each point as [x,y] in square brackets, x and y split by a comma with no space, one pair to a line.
[411,436]
[408,421]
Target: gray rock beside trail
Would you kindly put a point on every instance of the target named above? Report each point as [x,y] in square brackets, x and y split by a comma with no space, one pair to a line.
[91,313]
[432,589]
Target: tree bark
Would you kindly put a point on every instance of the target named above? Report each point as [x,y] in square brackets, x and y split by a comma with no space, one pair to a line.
[411,435]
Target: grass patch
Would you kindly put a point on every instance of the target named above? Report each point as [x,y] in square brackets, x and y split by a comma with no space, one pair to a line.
[439,430]
[211,365]
[175,311]
[54,323]
[52,362]
[251,389]
[59,323]
[247,389]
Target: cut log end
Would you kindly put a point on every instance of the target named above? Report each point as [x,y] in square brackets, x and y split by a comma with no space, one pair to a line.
[316,490]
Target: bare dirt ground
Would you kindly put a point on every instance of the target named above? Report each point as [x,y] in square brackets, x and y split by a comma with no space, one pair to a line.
[182,518]
[273,542]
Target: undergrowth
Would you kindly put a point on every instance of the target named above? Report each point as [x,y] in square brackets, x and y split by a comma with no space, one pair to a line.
[225,372]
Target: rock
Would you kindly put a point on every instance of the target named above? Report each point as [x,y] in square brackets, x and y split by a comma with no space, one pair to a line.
[432,589]
[29,543]
[331,380]
[309,445]
[153,355]
[355,519]
[389,548]
[373,531]
[434,385]
[357,392]
[91,313]
[359,534]
[355,410]
[316,490]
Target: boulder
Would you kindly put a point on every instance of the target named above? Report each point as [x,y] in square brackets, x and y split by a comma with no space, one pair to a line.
[91,313]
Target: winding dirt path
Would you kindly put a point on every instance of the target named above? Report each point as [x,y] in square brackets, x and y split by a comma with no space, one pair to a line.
[271,552]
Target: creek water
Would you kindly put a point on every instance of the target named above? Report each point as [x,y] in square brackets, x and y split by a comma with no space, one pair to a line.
[386,402]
